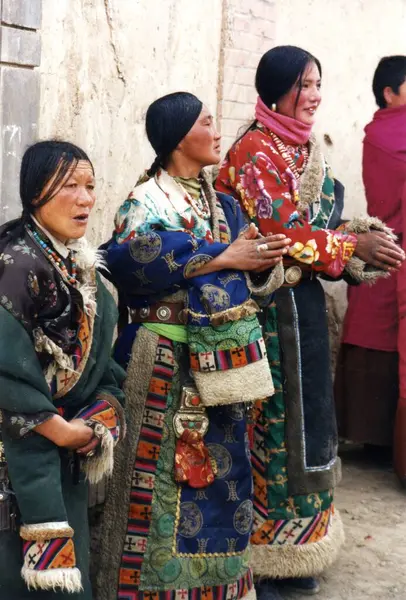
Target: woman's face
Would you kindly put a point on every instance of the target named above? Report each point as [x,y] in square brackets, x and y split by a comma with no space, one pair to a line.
[394,99]
[202,144]
[309,97]
[66,215]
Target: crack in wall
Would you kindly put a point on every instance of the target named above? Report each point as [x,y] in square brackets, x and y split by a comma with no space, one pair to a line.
[117,62]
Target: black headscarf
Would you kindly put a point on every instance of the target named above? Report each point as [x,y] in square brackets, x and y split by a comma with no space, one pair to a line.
[169,119]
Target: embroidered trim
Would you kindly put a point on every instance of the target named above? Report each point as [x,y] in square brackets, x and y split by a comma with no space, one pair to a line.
[102,412]
[51,566]
[145,464]
[235,313]
[220,229]
[295,532]
[222,360]
[230,591]
[53,554]
[66,380]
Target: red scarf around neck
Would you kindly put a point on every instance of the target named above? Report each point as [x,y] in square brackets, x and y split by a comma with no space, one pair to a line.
[289,130]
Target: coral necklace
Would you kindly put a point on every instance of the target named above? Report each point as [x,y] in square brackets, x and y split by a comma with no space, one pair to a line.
[53,257]
[287,157]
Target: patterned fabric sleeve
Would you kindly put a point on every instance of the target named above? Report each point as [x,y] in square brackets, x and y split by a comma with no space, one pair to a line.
[267,189]
[145,260]
[22,424]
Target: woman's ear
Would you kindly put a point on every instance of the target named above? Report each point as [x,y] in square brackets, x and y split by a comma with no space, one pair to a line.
[388,94]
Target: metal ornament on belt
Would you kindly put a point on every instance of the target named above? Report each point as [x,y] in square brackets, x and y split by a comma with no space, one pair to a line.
[144,312]
[163,313]
[293,275]
[191,414]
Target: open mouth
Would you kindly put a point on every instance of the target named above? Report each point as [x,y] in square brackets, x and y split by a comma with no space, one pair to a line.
[81,218]
[312,110]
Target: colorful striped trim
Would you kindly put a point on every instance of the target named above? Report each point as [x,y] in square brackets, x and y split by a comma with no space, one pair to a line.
[230,591]
[258,466]
[55,554]
[295,532]
[224,229]
[222,360]
[143,477]
[102,412]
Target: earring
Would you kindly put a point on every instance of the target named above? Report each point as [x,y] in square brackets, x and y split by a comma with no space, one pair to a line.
[273,107]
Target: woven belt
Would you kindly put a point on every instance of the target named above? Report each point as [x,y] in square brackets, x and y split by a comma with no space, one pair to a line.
[171,313]
[295,274]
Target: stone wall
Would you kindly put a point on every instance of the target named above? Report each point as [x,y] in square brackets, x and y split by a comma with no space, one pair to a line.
[349,38]
[20,52]
[104,61]
[248,32]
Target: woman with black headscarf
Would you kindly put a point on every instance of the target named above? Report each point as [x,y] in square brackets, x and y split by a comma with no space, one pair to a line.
[59,386]
[179,517]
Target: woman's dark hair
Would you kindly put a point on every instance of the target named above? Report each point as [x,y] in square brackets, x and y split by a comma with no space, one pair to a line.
[168,120]
[390,72]
[40,163]
[278,71]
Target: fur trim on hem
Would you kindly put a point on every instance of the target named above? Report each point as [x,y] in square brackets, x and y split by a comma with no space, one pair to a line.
[245,384]
[43,532]
[357,268]
[273,282]
[364,273]
[307,560]
[102,464]
[67,580]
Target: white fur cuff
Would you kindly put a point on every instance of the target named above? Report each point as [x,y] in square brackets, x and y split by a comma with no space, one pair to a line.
[67,580]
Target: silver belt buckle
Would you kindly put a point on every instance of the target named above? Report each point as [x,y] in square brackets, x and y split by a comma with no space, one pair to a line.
[164,313]
[293,275]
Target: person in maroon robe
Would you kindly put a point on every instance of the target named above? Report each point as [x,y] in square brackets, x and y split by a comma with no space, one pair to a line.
[371,370]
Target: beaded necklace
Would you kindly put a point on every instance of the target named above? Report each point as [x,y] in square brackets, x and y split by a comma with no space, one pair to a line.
[287,157]
[53,257]
[199,205]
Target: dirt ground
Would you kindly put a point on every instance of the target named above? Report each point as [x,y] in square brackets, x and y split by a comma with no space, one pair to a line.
[373,562]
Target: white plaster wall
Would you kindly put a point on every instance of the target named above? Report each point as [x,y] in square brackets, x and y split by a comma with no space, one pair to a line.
[349,37]
[104,61]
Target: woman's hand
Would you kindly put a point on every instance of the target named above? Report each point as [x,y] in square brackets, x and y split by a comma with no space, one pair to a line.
[378,249]
[249,252]
[260,254]
[66,434]
[80,435]
[89,448]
